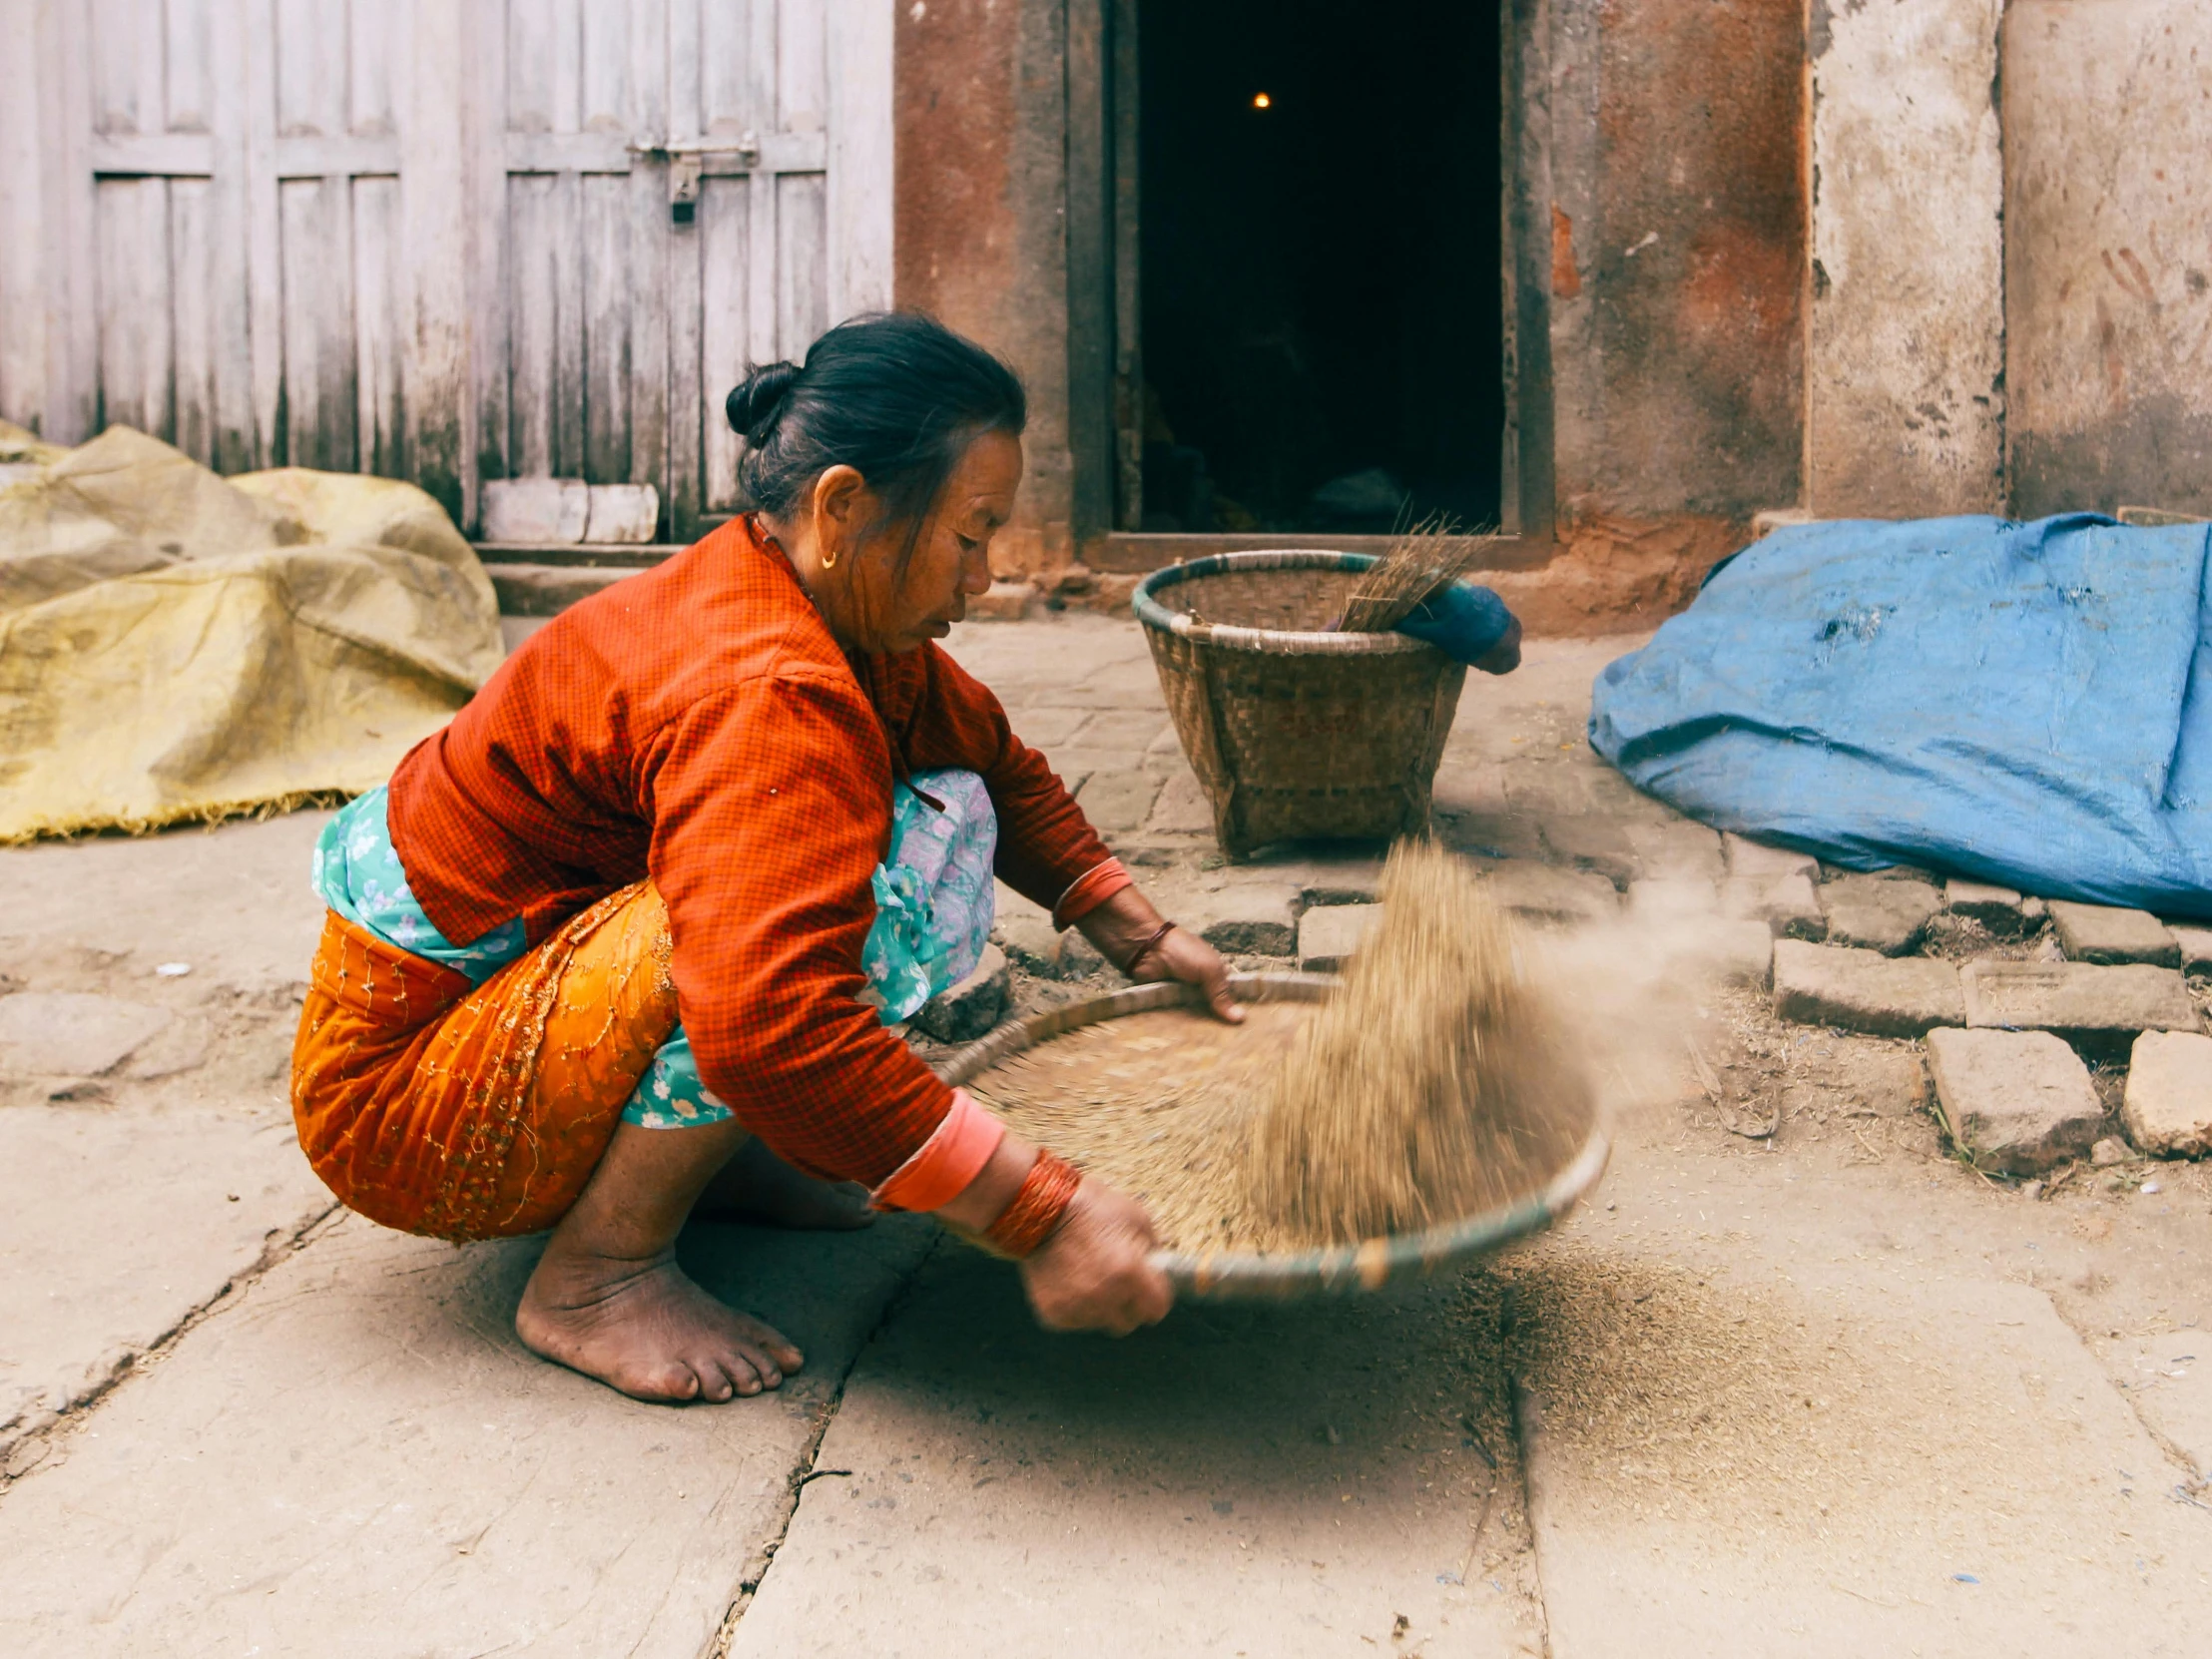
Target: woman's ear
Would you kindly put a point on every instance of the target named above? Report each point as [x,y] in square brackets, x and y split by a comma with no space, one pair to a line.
[844,507]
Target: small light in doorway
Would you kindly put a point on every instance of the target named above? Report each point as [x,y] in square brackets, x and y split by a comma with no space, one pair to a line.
[1261,100]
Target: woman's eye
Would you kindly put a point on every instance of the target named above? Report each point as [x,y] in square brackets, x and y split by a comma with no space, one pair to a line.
[968,544]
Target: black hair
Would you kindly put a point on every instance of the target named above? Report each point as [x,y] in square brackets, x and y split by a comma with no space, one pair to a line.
[897,396]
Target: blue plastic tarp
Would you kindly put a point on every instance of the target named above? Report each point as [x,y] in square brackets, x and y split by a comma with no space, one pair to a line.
[2023,704]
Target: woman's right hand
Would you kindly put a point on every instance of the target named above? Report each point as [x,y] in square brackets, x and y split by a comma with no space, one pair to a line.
[1095,1271]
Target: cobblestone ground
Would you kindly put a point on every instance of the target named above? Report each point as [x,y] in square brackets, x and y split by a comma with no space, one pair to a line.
[1798,1379]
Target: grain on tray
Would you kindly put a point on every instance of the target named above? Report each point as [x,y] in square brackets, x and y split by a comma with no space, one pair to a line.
[1436,1083]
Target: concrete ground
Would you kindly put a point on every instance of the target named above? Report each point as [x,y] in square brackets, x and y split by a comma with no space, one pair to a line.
[1825,1390]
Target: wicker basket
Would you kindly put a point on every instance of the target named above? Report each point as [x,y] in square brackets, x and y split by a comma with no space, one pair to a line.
[1294,731]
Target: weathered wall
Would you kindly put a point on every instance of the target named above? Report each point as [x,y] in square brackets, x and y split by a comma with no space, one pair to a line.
[1906,364]
[981,186]
[2109,257]
[1776,256]
[1678,256]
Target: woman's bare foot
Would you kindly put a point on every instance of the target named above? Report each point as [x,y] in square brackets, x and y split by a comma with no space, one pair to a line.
[758,1186]
[646,1329]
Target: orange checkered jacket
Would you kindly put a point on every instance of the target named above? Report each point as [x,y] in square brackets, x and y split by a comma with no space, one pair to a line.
[699,725]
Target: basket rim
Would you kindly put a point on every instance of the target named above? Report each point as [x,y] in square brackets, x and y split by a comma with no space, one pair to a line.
[1280,641]
[1366,1266]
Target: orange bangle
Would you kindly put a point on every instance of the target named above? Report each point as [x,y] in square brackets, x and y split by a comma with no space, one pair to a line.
[1037,1209]
[948,1162]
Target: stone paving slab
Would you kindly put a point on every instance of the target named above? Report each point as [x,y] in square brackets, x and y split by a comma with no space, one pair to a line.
[73,1033]
[116,1226]
[1545,892]
[2075,997]
[2108,935]
[1257,1480]
[1679,849]
[1746,857]
[1789,903]
[1329,935]
[1996,908]
[2167,1379]
[231,902]
[2196,949]
[354,1457]
[1777,1409]
[1862,990]
[1876,913]
[2017,1102]
[1670,899]
[2168,1104]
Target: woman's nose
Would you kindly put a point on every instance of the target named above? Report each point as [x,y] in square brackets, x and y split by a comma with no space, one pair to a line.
[975,570]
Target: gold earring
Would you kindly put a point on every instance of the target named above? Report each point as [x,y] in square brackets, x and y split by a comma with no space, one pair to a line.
[828,561]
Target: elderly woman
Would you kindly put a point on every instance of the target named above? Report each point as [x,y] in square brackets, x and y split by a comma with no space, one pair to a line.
[627,941]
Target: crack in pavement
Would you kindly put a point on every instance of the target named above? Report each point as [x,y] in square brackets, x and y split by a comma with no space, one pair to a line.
[1525,1413]
[27,1441]
[2194,1479]
[805,1473]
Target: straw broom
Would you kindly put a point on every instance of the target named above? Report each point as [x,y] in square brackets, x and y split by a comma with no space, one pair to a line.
[1418,565]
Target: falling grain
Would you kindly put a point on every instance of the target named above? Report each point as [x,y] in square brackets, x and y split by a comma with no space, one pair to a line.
[1435,1084]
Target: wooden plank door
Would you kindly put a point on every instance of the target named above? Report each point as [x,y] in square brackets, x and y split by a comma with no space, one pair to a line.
[225,264]
[434,237]
[612,318]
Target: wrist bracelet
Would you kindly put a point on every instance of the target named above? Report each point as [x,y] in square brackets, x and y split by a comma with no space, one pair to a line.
[1037,1208]
[1129,968]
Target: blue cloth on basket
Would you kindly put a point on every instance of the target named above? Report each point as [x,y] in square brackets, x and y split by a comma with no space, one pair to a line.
[1463,621]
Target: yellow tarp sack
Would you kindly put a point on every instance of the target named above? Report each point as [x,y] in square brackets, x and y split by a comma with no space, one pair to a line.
[175,646]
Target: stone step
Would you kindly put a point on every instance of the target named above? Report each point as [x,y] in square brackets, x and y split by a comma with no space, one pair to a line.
[548,590]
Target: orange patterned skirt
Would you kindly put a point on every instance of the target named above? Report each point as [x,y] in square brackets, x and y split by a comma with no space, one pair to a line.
[465,1111]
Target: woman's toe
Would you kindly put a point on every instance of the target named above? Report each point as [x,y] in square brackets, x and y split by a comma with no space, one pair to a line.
[673,1381]
[722,1382]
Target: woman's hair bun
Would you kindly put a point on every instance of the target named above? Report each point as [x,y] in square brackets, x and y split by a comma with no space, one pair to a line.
[759,399]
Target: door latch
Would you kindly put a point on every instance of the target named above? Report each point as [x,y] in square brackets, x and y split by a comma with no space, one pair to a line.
[687,164]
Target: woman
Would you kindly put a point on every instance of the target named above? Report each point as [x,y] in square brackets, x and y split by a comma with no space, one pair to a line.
[627,939]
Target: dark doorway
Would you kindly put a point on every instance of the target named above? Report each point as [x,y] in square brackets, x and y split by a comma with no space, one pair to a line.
[1320,264]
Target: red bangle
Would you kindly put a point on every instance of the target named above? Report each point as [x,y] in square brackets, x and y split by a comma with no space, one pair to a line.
[1037,1209]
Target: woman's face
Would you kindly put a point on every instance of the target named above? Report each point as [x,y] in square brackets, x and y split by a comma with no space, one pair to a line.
[877,607]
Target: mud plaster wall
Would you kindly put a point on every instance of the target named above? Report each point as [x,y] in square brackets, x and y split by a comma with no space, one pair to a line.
[1904,373]
[1678,256]
[2108,253]
[981,185]
[1673,146]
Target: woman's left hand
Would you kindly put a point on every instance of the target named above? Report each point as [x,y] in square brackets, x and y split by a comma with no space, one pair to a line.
[1120,929]
[1186,957]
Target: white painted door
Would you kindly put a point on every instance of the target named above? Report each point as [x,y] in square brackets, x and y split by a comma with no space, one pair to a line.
[661,179]
[216,196]
[432,239]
